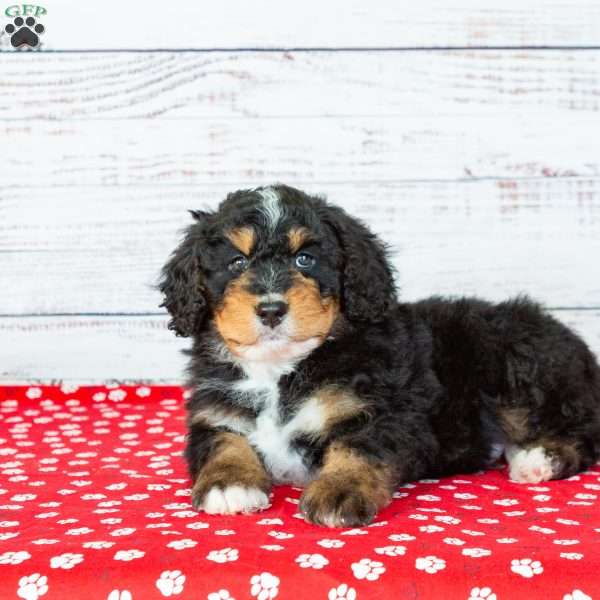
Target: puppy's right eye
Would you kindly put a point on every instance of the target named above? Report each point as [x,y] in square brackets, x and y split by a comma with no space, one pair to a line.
[238,264]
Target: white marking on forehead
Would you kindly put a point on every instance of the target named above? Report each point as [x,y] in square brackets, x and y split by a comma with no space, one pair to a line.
[271,207]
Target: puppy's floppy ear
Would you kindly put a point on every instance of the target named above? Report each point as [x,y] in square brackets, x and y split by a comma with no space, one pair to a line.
[182,281]
[368,290]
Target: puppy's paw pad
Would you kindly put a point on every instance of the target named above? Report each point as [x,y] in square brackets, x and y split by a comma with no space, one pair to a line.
[233,499]
[531,465]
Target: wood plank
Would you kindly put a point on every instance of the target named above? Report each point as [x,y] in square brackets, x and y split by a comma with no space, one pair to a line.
[94,350]
[382,149]
[99,249]
[267,24]
[236,85]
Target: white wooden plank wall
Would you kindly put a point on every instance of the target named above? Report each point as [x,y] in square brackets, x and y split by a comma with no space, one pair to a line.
[467,136]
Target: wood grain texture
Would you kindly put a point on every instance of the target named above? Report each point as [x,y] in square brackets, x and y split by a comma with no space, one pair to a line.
[99,249]
[113,24]
[381,149]
[239,85]
[130,348]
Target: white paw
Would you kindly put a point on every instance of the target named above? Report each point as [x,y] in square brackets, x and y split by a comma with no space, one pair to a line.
[234,499]
[529,466]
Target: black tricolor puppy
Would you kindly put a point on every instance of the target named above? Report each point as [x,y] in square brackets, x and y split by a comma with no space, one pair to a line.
[305,369]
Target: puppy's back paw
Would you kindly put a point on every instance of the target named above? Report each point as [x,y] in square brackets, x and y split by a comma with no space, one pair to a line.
[232,499]
[530,465]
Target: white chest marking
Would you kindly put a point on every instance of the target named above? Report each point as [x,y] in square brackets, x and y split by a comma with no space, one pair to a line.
[268,435]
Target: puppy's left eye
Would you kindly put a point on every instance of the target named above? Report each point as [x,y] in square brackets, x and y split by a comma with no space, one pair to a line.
[305,260]
[238,264]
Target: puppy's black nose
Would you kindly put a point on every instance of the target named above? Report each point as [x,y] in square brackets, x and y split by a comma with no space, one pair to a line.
[271,313]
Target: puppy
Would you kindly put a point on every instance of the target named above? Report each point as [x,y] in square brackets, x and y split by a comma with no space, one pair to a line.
[305,369]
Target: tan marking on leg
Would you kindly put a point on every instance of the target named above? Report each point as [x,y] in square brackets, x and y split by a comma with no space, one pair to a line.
[349,490]
[243,239]
[312,314]
[338,404]
[235,318]
[297,237]
[221,416]
[232,463]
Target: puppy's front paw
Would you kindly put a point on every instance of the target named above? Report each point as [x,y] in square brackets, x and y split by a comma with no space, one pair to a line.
[230,500]
[326,502]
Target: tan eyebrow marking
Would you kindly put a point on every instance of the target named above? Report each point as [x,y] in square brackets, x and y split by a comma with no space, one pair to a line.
[298,236]
[242,238]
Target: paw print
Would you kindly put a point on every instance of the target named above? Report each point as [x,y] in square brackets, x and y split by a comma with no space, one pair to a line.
[14,558]
[224,555]
[181,544]
[170,583]
[342,592]
[264,586]
[476,552]
[368,569]
[571,555]
[280,535]
[128,555]
[526,567]
[430,564]
[220,595]
[576,595]
[454,541]
[66,561]
[484,593]
[326,543]
[98,545]
[391,550]
[430,528]
[25,33]
[119,595]
[31,587]
[401,537]
[312,561]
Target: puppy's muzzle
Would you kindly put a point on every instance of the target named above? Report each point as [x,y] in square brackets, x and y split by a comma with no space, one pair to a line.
[271,313]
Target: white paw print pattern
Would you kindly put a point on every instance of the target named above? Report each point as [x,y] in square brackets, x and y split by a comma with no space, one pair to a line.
[170,583]
[224,555]
[577,595]
[476,552]
[32,587]
[483,593]
[430,564]
[312,561]
[342,592]
[368,569]
[141,510]
[119,595]
[526,567]
[391,550]
[127,555]
[327,543]
[14,558]
[66,561]
[264,586]
[182,544]
[220,595]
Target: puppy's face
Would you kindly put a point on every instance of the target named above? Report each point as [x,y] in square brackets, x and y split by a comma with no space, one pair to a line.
[272,273]
[273,270]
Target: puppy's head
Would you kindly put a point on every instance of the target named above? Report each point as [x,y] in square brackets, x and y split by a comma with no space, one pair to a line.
[273,269]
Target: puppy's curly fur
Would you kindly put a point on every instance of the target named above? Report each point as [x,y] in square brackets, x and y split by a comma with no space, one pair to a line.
[305,368]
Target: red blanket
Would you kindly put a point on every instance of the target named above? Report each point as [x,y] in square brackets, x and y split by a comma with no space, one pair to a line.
[94,504]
